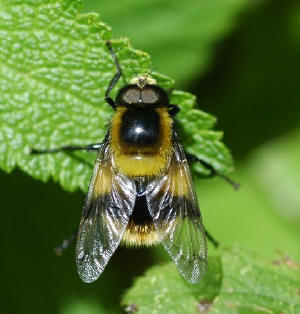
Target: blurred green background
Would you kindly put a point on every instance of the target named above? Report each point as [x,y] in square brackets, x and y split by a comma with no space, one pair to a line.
[242,60]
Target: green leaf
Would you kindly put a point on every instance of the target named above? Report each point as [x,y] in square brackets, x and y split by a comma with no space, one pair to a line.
[242,282]
[252,284]
[184,33]
[163,290]
[54,70]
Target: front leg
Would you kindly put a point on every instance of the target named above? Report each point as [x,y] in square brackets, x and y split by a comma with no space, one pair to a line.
[116,77]
[213,171]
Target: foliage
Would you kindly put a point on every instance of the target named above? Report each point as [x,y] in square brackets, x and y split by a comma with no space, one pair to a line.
[175,32]
[54,72]
[242,282]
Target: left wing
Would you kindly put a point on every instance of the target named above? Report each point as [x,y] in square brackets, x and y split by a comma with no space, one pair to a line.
[173,204]
[108,206]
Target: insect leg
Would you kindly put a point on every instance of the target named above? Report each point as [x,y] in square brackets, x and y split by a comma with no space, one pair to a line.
[213,171]
[91,147]
[211,239]
[116,77]
[65,243]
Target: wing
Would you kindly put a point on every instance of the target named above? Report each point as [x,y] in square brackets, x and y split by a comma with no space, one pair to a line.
[108,205]
[173,204]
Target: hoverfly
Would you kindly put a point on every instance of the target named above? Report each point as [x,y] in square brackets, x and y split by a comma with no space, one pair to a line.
[141,191]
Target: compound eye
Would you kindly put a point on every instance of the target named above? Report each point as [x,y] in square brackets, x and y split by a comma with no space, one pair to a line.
[132,96]
[150,96]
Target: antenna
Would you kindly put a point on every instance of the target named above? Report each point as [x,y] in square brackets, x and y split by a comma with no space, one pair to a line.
[154,68]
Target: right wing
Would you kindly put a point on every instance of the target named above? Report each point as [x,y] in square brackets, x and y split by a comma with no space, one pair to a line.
[173,204]
[108,206]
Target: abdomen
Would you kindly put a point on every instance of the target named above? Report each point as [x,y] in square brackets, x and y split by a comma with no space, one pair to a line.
[140,230]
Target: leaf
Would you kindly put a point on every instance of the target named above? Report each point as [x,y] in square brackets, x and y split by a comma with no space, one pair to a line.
[241,282]
[252,284]
[184,33]
[198,137]
[163,290]
[54,70]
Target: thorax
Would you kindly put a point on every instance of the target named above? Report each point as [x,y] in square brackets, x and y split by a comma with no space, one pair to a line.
[141,140]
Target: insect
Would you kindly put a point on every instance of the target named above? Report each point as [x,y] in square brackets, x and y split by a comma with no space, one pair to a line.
[141,190]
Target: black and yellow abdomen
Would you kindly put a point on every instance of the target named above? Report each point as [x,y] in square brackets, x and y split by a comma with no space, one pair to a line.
[141,140]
